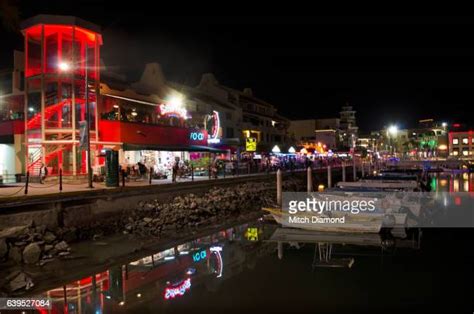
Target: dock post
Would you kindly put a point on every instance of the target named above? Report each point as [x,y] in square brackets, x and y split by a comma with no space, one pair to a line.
[343,172]
[279,187]
[329,176]
[370,168]
[309,180]
[362,169]
[60,179]
[151,175]
[27,182]
[354,169]
[192,173]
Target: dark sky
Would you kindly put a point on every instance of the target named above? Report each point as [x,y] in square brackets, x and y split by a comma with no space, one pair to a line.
[391,69]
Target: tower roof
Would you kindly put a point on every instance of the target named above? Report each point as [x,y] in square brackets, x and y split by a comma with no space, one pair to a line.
[60,20]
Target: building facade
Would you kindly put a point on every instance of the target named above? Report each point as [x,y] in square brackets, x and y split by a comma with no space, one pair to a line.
[461,144]
[348,127]
[259,120]
[44,114]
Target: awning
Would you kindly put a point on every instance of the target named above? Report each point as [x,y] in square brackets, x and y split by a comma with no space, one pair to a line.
[177,148]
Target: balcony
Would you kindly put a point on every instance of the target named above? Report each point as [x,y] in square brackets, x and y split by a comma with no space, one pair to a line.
[142,136]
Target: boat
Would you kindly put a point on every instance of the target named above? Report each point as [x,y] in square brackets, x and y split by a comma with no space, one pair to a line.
[352,223]
[392,185]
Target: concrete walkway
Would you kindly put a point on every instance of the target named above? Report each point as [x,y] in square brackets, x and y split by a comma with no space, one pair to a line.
[15,190]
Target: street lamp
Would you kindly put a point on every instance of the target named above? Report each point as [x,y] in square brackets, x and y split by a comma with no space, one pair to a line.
[392,132]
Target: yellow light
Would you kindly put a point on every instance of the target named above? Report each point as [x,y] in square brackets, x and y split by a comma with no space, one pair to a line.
[321,188]
[64,66]
[176,101]
[122,303]
[392,130]
[442,147]
[139,295]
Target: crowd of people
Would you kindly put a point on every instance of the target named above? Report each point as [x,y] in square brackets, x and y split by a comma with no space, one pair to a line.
[181,169]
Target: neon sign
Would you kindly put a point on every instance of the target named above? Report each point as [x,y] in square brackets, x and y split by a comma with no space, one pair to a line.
[179,290]
[173,109]
[213,124]
[196,136]
[252,234]
[199,256]
[217,251]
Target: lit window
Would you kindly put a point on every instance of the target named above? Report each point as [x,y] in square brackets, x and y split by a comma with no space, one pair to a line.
[455,141]
[465,140]
[465,152]
[455,152]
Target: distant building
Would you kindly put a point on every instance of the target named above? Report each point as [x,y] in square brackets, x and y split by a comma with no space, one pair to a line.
[260,119]
[428,140]
[461,144]
[348,127]
[314,131]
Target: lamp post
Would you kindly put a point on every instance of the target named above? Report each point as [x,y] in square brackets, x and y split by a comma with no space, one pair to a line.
[391,133]
[88,119]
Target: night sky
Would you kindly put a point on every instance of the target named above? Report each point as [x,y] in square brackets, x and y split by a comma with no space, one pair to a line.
[391,69]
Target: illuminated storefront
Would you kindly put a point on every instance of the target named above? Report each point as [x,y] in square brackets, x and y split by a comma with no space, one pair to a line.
[48,123]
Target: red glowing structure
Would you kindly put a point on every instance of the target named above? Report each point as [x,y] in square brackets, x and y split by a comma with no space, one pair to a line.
[57,51]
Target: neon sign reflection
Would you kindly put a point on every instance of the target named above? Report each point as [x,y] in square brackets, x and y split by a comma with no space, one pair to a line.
[179,290]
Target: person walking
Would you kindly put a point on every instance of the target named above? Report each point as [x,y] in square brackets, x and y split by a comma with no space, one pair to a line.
[175,169]
[43,173]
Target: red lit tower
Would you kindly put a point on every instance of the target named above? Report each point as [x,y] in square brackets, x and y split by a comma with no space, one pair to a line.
[55,87]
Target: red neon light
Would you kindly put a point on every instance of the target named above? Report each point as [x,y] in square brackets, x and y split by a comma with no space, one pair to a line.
[65,38]
[179,290]
[456,125]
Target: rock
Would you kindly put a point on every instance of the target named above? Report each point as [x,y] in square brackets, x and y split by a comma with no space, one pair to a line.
[31,253]
[61,254]
[70,235]
[12,275]
[61,246]
[147,219]
[49,237]
[48,247]
[40,229]
[44,261]
[20,281]
[20,243]
[13,232]
[3,248]
[15,254]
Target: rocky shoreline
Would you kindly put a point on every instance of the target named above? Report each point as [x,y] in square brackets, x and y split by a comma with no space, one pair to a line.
[35,246]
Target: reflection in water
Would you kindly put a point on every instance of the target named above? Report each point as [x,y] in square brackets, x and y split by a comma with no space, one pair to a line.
[165,275]
[454,183]
[195,273]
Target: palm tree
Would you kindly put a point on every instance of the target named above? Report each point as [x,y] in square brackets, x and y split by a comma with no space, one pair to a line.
[9,15]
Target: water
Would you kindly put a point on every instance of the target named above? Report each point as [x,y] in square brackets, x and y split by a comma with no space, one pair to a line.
[238,269]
